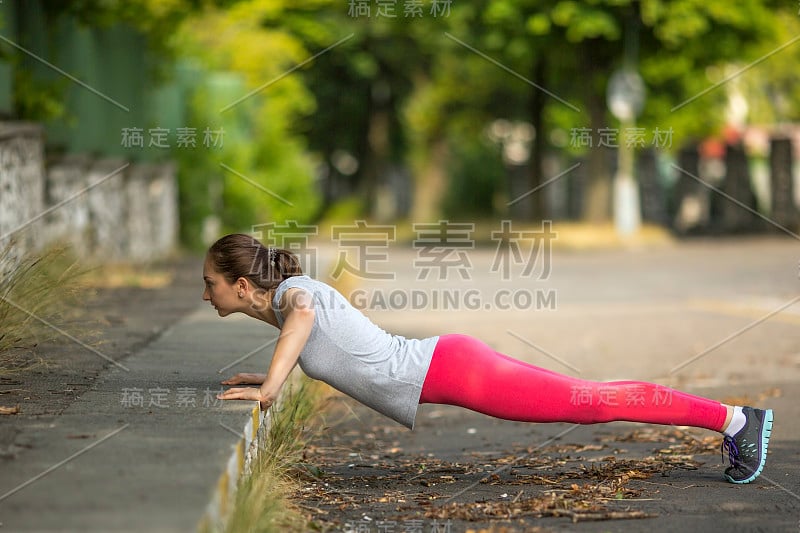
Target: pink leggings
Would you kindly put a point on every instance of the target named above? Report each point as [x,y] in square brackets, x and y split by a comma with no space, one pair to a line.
[468,373]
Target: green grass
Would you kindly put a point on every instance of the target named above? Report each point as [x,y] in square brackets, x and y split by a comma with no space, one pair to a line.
[263,498]
[34,292]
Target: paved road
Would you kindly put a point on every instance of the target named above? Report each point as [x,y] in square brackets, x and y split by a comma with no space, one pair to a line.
[718,318]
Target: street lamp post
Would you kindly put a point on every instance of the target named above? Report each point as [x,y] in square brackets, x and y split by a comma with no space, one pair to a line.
[625,100]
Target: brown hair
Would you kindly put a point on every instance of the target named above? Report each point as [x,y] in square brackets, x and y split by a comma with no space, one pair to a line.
[242,256]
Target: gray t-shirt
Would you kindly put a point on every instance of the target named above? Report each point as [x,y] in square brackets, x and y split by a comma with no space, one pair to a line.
[353,355]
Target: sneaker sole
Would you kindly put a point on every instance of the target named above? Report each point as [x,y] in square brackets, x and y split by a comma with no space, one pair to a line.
[766,431]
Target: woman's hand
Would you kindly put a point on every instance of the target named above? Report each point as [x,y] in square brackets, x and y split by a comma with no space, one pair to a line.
[253,394]
[296,329]
[246,379]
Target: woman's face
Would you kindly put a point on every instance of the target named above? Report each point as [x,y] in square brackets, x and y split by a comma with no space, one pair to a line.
[222,295]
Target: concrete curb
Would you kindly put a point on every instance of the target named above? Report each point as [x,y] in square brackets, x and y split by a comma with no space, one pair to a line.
[237,467]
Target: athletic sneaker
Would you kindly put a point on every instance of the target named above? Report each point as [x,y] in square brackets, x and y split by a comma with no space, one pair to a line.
[747,450]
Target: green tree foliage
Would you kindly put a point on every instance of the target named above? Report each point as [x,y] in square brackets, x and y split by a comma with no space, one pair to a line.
[476,166]
[262,173]
[360,87]
[420,91]
[570,48]
[769,85]
[41,99]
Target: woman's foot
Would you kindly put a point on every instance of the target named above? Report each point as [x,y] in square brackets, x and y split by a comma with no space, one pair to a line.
[747,449]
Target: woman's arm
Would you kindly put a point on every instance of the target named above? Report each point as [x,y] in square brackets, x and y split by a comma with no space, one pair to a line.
[298,311]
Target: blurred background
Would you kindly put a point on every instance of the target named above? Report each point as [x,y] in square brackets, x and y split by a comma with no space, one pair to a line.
[229,114]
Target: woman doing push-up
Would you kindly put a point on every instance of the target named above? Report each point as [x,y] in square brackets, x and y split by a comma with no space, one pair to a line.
[336,343]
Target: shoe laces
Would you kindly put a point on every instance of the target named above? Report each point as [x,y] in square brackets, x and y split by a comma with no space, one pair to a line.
[729,447]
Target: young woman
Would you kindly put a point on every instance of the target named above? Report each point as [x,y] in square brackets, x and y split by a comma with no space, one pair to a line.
[336,343]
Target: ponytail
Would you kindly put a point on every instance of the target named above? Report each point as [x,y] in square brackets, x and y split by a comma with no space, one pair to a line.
[241,256]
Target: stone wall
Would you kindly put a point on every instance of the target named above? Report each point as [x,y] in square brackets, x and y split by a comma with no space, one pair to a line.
[106,209]
[21,187]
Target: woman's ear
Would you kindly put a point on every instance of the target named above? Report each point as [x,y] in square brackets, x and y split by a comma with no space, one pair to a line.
[242,286]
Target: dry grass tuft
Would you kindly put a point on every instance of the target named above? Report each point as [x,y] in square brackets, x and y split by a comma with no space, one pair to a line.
[262,498]
[35,291]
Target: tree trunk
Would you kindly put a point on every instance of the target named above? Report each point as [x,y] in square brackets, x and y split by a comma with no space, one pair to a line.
[597,206]
[737,217]
[654,202]
[537,102]
[431,183]
[690,205]
[781,162]
[376,158]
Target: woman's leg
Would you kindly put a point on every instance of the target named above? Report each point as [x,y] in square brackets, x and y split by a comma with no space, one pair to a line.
[468,373]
